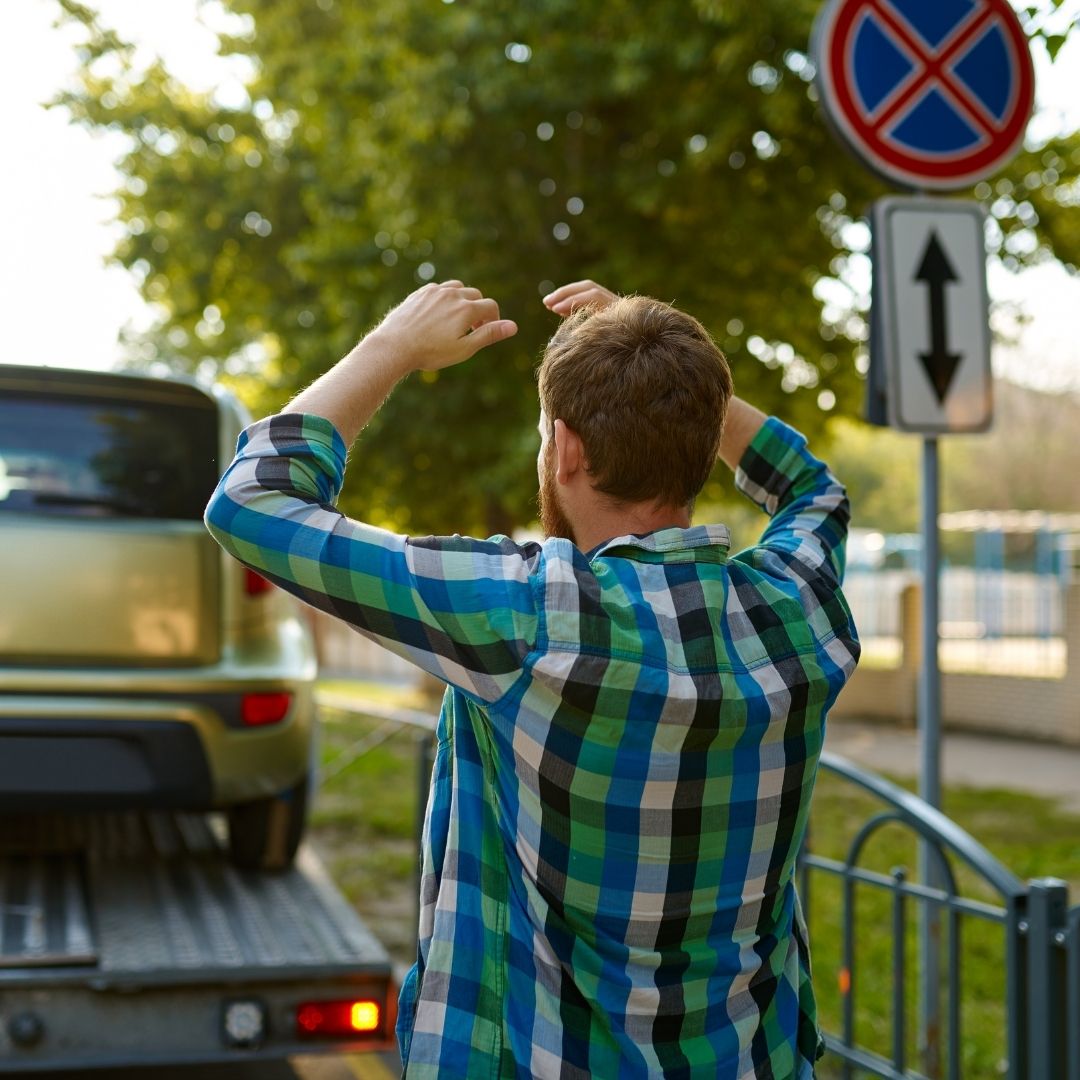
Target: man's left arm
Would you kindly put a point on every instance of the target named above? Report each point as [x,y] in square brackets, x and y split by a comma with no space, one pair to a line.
[461,609]
[435,327]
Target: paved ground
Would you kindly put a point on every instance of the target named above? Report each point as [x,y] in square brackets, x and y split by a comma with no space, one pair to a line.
[374,1066]
[967,760]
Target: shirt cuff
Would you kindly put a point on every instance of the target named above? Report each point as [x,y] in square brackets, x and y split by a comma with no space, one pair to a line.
[314,448]
[771,464]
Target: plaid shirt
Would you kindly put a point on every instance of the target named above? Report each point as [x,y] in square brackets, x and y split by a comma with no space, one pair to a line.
[626,755]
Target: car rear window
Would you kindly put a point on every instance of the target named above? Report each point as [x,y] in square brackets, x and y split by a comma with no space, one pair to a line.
[70,456]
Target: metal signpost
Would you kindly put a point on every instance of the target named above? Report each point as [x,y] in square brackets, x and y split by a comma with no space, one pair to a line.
[932,97]
[931,347]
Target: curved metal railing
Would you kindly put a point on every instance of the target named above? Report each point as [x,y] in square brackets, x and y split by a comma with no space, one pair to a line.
[1041,946]
[1042,936]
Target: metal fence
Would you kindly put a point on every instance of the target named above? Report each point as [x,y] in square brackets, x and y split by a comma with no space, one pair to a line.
[1036,947]
[1039,958]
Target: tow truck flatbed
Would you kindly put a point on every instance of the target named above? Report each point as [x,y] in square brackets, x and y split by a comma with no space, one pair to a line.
[128,938]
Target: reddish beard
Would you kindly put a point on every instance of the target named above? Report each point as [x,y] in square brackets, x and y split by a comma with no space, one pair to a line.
[552,519]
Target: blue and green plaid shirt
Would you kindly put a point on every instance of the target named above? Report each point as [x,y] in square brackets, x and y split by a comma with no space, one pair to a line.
[626,755]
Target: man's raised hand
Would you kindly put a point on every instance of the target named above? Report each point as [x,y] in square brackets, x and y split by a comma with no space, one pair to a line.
[438,326]
[567,299]
[434,327]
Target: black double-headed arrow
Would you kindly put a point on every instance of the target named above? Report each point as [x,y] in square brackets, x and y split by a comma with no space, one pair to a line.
[936,270]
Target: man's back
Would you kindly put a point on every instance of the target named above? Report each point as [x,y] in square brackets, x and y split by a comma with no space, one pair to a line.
[624,767]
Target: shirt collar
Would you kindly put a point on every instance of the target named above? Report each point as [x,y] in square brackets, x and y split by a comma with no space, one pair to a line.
[699,543]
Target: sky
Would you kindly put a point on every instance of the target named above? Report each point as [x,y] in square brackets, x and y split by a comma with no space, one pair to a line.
[65,306]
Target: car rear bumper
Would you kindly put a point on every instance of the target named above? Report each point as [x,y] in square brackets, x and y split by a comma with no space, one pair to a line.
[53,763]
[182,750]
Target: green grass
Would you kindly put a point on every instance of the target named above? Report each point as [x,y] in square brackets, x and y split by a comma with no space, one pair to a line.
[365,825]
[364,821]
[403,696]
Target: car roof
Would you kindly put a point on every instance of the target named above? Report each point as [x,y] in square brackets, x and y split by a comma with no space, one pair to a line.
[131,385]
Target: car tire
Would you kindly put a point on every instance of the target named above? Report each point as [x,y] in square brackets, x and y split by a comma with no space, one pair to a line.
[265,834]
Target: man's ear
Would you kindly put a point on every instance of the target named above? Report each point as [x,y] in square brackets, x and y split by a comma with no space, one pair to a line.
[569,452]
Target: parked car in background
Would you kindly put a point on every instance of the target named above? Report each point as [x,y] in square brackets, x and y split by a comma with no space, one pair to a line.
[140,666]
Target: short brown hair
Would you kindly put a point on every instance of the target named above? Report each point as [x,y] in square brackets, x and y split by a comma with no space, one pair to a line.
[646,389]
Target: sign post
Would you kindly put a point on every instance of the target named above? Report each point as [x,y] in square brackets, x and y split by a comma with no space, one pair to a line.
[933,97]
[932,345]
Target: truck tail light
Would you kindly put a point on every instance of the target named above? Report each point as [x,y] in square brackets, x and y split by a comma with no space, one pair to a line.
[255,584]
[257,710]
[360,1016]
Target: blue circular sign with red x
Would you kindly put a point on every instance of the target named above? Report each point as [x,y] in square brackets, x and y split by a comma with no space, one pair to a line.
[929,93]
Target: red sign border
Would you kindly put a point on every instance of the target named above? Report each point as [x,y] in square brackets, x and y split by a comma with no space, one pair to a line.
[832,40]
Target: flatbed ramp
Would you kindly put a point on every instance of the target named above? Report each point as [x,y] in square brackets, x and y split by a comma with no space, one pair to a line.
[128,938]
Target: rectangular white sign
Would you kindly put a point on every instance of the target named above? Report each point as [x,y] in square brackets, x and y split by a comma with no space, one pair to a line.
[931,314]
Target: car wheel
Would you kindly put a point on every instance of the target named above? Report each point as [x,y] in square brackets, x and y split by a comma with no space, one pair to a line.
[264,834]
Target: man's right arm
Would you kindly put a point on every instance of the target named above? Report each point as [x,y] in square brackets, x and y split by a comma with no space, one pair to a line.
[808,506]
[741,425]
[804,541]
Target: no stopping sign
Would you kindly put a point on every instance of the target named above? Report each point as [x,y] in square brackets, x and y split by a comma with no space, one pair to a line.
[929,93]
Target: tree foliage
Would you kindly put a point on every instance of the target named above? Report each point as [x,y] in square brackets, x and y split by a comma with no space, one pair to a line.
[673,148]
[1002,469]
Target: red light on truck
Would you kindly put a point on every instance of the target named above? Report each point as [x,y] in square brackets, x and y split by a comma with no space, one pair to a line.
[255,584]
[257,710]
[339,1018]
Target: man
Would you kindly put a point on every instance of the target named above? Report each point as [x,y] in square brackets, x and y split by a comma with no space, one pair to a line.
[628,743]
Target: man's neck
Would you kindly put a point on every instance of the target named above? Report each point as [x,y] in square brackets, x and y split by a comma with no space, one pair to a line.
[605,522]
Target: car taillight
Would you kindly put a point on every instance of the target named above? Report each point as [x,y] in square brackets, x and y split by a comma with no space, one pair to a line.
[361,1016]
[255,584]
[259,709]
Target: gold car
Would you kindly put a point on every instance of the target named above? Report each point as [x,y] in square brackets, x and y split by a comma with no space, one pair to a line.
[140,666]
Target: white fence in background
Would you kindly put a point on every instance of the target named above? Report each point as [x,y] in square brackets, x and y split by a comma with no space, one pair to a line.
[1001,621]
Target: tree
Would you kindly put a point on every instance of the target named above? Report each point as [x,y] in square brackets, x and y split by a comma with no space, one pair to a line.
[674,149]
[1018,464]
[880,469]
[1003,469]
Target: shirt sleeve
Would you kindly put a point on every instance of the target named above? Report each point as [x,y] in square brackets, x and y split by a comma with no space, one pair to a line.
[809,507]
[804,541]
[461,609]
